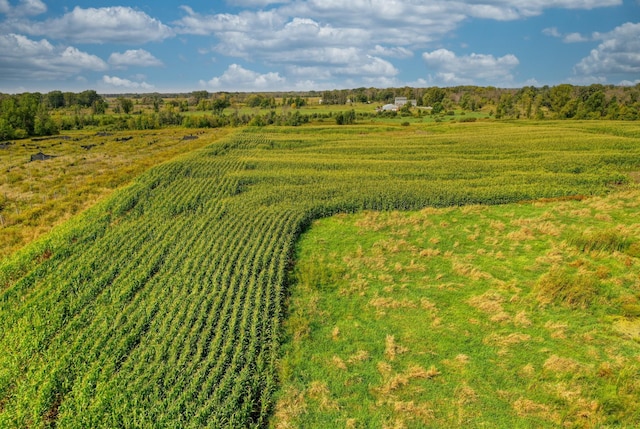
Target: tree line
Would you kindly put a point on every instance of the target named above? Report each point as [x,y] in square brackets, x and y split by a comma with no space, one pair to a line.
[37,114]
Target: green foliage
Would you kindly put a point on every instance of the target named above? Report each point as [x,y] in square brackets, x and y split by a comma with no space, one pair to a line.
[346,118]
[126,104]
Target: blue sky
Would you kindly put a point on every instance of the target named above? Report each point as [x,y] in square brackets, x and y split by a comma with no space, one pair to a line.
[122,46]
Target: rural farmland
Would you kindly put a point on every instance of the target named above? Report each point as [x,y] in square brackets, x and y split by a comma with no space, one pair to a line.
[166,304]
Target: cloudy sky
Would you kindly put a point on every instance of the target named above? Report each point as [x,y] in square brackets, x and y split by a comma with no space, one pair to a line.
[117,46]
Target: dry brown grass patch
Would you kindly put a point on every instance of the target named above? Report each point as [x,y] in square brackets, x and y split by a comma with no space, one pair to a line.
[528,408]
[393,382]
[335,333]
[337,362]
[422,412]
[489,302]
[425,304]
[469,271]
[429,253]
[359,356]
[465,395]
[527,371]
[557,329]
[290,406]
[521,319]
[319,391]
[389,303]
[392,349]
[506,340]
[559,364]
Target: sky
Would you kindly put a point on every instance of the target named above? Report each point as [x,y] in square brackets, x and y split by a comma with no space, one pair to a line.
[129,46]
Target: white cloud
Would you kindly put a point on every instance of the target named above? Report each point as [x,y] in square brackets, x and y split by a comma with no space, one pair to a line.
[552,31]
[134,57]
[255,3]
[575,38]
[245,22]
[618,53]
[24,8]
[237,78]
[503,10]
[567,38]
[448,69]
[629,83]
[338,38]
[23,58]
[396,52]
[116,82]
[100,25]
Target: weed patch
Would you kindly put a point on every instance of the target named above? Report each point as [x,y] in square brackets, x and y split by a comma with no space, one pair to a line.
[565,286]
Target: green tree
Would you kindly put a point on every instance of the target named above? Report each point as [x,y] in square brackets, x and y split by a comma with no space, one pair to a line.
[434,95]
[55,99]
[219,104]
[87,98]
[126,104]
[559,97]
[99,107]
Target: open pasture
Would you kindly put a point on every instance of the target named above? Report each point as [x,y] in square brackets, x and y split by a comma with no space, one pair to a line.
[162,306]
[512,316]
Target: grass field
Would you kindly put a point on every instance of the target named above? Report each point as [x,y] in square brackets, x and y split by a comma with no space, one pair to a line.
[514,316]
[162,305]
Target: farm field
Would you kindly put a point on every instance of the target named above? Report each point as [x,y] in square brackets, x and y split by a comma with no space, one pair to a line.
[163,305]
[514,316]
[85,167]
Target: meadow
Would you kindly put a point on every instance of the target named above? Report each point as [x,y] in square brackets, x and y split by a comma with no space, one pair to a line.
[514,316]
[163,304]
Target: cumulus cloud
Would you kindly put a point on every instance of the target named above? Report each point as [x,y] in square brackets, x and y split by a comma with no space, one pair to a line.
[447,68]
[255,3]
[504,10]
[134,57]
[617,54]
[23,8]
[23,58]
[237,78]
[119,83]
[567,38]
[100,25]
[393,52]
[336,38]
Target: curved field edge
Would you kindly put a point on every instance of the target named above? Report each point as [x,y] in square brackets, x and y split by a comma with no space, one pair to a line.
[520,315]
[162,306]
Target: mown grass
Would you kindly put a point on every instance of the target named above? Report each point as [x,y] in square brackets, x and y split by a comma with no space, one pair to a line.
[87,166]
[515,316]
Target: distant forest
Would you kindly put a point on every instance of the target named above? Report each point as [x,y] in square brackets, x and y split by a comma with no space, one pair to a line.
[36,114]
